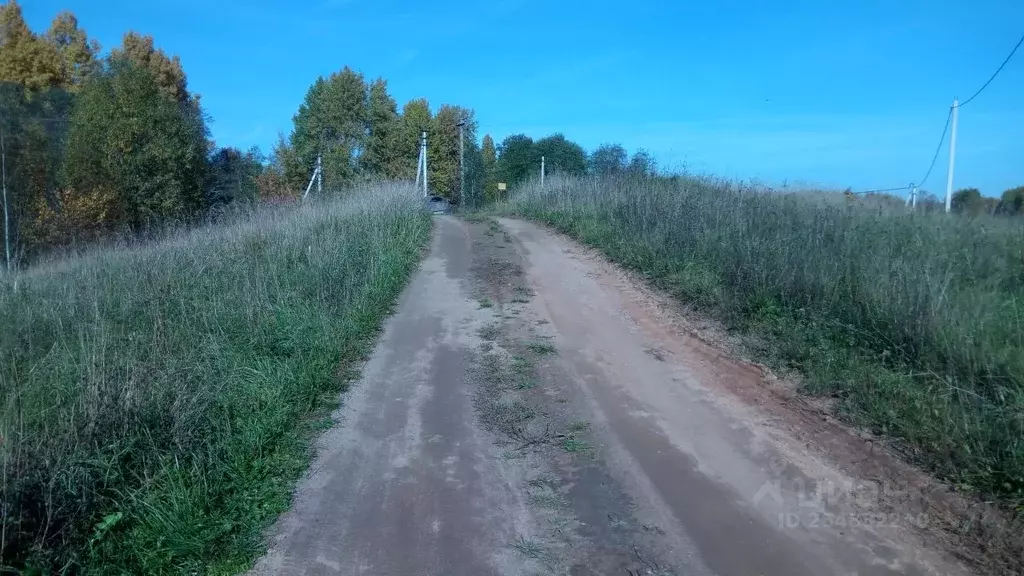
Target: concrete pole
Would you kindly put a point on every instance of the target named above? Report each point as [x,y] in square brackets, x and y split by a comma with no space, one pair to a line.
[542,170]
[419,168]
[952,157]
[3,179]
[423,154]
[319,175]
[462,163]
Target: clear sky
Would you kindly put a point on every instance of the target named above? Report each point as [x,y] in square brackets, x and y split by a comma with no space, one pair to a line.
[841,93]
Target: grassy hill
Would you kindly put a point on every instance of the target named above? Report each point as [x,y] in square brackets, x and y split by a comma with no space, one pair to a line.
[912,322]
[157,400]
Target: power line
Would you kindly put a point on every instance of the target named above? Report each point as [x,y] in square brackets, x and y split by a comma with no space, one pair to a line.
[931,166]
[938,148]
[998,70]
[945,129]
[880,190]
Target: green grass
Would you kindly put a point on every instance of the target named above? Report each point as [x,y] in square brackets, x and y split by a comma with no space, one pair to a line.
[490,331]
[912,322]
[577,426]
[158,401]
[572,444]
[541,348]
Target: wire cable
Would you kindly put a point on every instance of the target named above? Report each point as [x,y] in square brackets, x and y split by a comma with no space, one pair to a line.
[945,129]
[938,148]
[935,157]
[998,70]
[880,190]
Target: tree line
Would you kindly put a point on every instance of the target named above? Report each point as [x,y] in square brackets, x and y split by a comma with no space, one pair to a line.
[355,126]
[94,144]
[518,158]
[970,201]
[966,201]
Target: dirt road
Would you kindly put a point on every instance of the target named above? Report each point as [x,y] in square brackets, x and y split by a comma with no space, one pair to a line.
[530,410]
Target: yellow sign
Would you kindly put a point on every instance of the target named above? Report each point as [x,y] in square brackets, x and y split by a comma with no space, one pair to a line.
[501,186]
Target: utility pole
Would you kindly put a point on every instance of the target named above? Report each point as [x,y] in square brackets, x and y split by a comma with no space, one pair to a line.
[462,162]
[419,167]
[317,178]
[319,175]
[542,170]
[913,196]
[952,157]
[422,170]
[3,178]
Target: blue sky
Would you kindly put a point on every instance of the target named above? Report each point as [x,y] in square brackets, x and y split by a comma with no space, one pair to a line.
[848,93]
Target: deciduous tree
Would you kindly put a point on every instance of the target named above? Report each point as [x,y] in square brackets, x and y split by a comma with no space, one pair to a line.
[331,121]
[233,175]
[139,154]
[167,70]
[517,159]
[25,59]
[642,164]
[416,118]
[488,161]
[968,201]
[608,159]
[443,149]
[561,155]
[76,53]
[383,157]
[1012,201]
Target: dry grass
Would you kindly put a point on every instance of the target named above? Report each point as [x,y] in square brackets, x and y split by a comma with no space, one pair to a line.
[912,321]
[157,401]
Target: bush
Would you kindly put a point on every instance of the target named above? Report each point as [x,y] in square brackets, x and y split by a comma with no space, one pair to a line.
[912,321]
[157,400]
[1012,201]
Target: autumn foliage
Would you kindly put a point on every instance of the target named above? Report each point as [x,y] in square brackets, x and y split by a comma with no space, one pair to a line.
[93,145]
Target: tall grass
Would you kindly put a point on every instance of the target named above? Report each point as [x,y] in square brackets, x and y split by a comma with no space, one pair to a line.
[912,321]
[157,400]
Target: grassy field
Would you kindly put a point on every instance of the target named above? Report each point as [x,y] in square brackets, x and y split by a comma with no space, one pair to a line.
[912,322]
[158,401]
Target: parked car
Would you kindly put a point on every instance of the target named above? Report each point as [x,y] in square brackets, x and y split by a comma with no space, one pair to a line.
[438,205]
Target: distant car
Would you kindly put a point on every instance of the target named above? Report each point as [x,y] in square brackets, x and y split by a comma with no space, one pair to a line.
[438,205]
